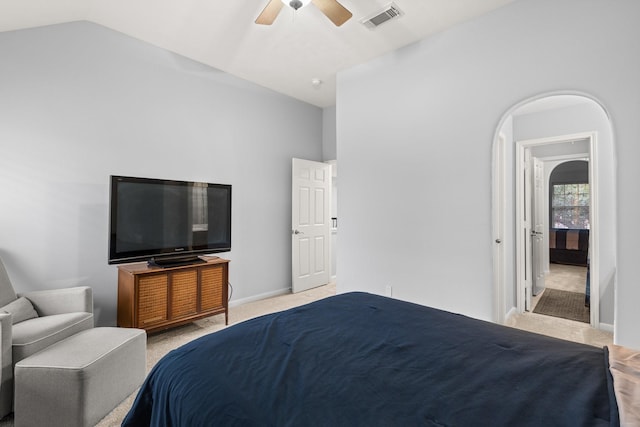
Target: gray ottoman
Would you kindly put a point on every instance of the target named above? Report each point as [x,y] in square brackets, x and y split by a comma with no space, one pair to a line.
[79,380]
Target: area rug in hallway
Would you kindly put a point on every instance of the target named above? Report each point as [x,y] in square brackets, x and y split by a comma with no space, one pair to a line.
[568,305]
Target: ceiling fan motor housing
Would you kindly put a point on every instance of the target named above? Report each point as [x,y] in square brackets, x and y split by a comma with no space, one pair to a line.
[332,9]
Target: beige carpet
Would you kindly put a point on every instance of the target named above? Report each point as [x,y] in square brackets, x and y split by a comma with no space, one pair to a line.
[570,278]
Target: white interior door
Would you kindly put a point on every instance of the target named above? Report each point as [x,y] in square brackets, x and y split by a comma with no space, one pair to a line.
[310,224]
[537,227]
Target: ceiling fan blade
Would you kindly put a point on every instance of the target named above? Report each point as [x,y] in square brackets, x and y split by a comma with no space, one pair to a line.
[269,13]
[336,12]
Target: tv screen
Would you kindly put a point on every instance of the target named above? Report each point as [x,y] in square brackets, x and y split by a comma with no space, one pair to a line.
[163,220]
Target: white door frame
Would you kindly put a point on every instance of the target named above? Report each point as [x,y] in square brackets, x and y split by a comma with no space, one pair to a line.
[521,147]
[499,186]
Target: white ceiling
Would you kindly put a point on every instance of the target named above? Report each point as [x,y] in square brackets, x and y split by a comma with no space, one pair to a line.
[286,56]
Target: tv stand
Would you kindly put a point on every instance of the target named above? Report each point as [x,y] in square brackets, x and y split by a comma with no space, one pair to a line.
[154,298]
[175,261]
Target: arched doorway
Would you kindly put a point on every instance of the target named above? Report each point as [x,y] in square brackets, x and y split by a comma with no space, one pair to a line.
[549,120]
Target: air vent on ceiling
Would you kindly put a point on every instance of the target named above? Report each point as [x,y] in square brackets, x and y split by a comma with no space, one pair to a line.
[391,11]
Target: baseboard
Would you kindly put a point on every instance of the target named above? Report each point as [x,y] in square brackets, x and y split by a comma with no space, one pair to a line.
[510,313]
[236,302]
[607,327]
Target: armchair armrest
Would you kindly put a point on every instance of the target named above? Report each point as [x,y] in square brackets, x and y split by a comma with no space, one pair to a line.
[6,364]
[58,301]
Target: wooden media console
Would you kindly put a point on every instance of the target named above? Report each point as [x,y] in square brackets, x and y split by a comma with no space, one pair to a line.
[154,298]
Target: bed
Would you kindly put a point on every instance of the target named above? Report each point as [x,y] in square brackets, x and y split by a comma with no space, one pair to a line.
[358,359]
[568,246]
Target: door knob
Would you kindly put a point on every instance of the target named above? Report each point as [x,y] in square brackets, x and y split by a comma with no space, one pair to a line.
[498,241]
[297,232]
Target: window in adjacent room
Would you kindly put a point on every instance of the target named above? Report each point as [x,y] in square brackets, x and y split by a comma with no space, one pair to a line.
[570,206]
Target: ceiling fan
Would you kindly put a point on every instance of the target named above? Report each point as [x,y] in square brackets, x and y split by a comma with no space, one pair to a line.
[336,12]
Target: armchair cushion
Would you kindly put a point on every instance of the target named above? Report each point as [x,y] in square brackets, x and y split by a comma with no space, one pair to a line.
[35,334]
[21,309]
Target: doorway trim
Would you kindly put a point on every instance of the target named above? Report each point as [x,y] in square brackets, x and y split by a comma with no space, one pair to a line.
[499,224]
[522,293]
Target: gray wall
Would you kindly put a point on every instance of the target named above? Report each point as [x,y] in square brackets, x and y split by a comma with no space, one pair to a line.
[572,172]
[79,102]
[329,133]
[441,101]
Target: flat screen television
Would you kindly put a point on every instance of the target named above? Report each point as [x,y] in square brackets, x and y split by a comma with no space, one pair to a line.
[167,222]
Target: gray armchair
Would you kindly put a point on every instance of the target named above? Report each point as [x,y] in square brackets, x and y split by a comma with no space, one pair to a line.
[32,321]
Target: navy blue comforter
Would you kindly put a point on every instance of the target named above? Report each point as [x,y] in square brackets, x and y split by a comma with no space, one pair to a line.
[358,359]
